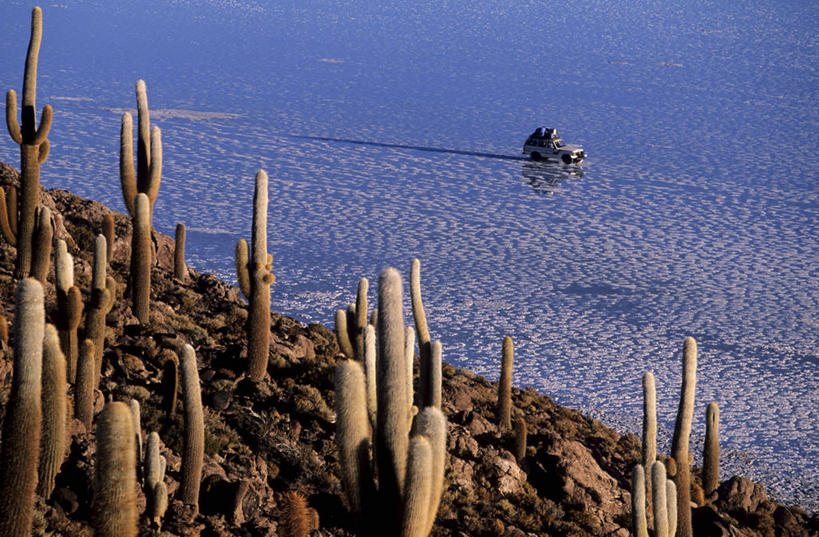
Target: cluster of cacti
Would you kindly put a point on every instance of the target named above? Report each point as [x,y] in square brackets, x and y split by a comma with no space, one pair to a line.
[139,191]
[22,424]
[505,385]
[409,453]
[662,499]
[115,482]
[253,271]
[18,223]
[69,307]
[194,440]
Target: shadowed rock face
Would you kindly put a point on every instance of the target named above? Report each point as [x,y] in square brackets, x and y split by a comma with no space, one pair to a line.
[264,440]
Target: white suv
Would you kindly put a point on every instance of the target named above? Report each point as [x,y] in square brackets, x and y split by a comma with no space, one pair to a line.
[546,144]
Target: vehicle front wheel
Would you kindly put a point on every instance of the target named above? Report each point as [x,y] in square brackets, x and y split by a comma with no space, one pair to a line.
[535,155]
[567,159]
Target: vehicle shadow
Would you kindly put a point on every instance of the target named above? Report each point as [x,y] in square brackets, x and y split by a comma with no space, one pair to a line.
[414,147]
[545,177]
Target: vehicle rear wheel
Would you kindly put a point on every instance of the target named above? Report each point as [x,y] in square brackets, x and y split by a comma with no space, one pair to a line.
[535,155]
[567,159]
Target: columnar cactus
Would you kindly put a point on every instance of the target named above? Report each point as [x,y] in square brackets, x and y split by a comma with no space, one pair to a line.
[649,425]
[103,293]
[34,146]
[671,507]
[115,485]
[108,233]
[659,502]
[156,492]
[421,328]
[55,411]
[520,439]
[369,371]
[136,416]
[194,441]
[180,270]
[343,335]
[505,385]
[141,259]
[255,276]
[85,385]
[710,454]
[360,318]
[410,466]
[149,154]
[41,244]
[69,307]
[409,353]
[4,331]
[432,380]
[638,501]
[682,432]
[22,425]
[170,384]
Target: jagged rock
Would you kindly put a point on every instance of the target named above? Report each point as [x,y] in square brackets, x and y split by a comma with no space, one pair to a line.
[740,494]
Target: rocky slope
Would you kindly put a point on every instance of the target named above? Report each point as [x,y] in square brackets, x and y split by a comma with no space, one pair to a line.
[266,440]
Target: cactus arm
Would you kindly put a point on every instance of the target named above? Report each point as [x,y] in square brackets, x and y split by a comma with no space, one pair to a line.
[54,404]
[342,335]
[41,135]
[136,417]
[353,434]
[152,469]
[11,117]
[127,176]
[108,233]
[5,226]
[418,488]
[638,501]
[659,504]
[409,356]
[180,271]
[682,432]
[671,504]
[432,424]
[369,372]
[115,484]
[710,456]
[242,272]
[259,233]
[143,136]
[194,440]
[42,151]
[22,425]
[32,56]
[111,287]
[11,206]
[419,316]
[360,317]
[520,439]
[649,447]
[155,176]
[435,375]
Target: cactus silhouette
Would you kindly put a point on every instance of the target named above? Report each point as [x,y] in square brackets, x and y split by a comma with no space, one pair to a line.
[194,440]
[180,270]
[34,147]
[682,432]
[505,385]
[69,308]
[141,260]
[710,455]
[55,412]
[638,501]
[115,485]
[22,425]
[84,387]
[253,273]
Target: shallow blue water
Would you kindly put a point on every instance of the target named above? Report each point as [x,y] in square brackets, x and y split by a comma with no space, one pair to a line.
[393,132]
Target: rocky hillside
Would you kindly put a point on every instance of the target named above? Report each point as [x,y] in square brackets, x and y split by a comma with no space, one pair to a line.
[264,441]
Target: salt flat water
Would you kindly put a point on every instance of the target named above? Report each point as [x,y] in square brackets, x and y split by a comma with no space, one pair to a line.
[394,131]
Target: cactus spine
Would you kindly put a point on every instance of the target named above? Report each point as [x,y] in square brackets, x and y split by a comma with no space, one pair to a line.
[194,442]
[34,148]
[69,307]
[505,385]
[54,405]
[682,432]
[710,454]
[100,303]
[85,386]
[254,279]
[638,501]
[421,328]
[22,425]
[180,270]
[115,513]
[296,523]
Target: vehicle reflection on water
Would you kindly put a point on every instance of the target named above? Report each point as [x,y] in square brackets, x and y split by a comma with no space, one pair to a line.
[545,177]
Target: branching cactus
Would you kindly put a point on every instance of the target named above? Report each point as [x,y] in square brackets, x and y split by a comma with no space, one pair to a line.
[22,425]
[710,455]
[180,270]
[55,410]
[85,385]
[255,277]
[103,293]
[410,466]
[69,308]
[505,385]
[194,441]
[115,485]
[148,174]
[141,260]
[34,146]
[682,432]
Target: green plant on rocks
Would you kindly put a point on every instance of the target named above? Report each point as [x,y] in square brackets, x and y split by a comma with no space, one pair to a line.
[253,271]
[34,147]
[22,424]
[410,462]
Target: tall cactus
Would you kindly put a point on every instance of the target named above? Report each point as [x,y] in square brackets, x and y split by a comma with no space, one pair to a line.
[638,501]
[148,174]
[659,502]
[115,485]
[141,259]
[710,454]
[505,385]
[22,425]
[34,146]
[682,432]
[194,441]
[649,452]
[255,277]
[410,465]
[69,308]
[55,411]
